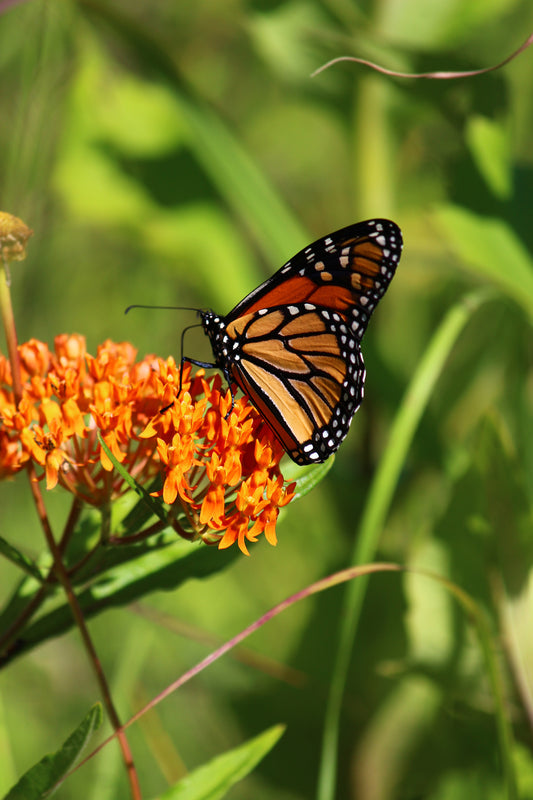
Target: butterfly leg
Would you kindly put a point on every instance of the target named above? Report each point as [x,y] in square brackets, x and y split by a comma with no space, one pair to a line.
[228,381]
[186,360]
[207,365]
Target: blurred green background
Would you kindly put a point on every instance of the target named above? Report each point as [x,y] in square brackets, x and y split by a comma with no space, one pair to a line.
[179,153]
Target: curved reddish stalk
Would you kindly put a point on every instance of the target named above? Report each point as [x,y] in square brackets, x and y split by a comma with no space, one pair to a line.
[324,583]
[439,75]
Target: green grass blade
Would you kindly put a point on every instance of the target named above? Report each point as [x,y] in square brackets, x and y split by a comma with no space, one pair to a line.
[155,505]
[379,500]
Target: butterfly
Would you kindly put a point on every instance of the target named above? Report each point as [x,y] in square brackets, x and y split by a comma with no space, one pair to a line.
[293,344]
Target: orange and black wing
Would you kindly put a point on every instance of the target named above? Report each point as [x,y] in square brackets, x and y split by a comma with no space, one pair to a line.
[297,366]
[347,271]
[293,344]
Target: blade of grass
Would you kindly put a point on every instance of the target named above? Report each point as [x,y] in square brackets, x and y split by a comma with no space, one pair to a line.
[486,640]
[379,500]
[213,780]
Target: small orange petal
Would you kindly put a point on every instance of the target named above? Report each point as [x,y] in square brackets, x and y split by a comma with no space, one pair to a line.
[54,459]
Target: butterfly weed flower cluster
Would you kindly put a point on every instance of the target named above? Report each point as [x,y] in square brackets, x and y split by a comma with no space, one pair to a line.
[224,473]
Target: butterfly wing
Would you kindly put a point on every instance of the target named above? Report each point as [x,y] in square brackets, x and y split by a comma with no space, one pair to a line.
[303,380]
[293,344]
[348,269]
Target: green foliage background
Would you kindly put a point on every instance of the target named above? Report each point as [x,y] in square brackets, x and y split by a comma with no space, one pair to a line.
[179,153]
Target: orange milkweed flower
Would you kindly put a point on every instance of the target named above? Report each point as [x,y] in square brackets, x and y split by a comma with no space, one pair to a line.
[219,464]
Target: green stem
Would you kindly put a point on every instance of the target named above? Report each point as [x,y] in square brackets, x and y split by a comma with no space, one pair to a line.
[43,591]
[8,319]
[373,519]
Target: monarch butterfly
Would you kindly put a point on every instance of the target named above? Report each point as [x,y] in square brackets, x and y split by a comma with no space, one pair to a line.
[293,344]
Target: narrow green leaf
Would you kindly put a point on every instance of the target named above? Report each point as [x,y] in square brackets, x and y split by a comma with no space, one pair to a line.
[44,778]
[131,518]
[20,559]
[213,780]
[155,506]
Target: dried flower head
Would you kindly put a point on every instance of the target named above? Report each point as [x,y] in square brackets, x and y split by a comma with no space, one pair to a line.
[14,234]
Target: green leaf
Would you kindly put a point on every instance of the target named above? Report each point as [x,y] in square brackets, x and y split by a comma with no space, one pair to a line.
[491,249]
[131,518]
[20,559]
[306,477]
[43,779]
[213,780]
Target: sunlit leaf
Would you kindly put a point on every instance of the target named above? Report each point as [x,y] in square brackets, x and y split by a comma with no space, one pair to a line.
[213,780]
[161,565]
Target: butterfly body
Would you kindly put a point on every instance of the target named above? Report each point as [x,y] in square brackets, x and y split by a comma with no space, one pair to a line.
[293,344]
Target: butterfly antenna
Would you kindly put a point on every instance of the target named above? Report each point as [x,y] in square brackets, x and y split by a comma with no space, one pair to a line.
[186,359]
[166,308]
[183,358]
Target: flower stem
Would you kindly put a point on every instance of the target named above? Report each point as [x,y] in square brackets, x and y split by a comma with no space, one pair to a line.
[6,310]
[77,613]
[42,593]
